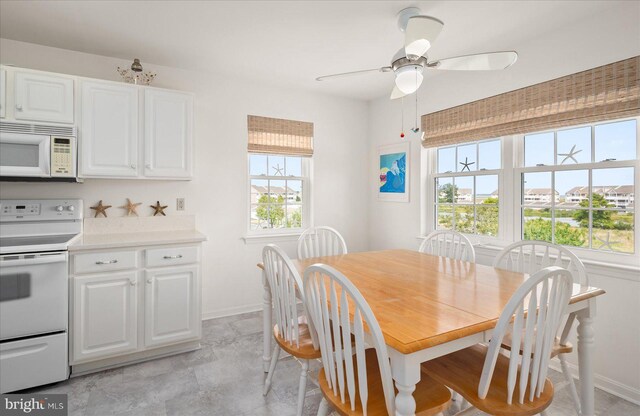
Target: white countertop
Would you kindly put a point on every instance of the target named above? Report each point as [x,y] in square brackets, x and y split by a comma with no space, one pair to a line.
[134,239]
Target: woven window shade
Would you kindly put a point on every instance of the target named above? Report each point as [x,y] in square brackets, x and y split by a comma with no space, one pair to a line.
[278,136]
[604,93]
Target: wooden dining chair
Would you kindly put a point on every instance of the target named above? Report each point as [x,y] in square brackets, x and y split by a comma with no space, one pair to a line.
[531,256]
[292,332]
[488,379]
[320,241]
[356,380]
[447,243]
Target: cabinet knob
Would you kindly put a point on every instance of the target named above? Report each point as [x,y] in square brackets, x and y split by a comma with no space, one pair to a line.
[149,281]
[132,283]
[148,165]
[133,166]
[19,107]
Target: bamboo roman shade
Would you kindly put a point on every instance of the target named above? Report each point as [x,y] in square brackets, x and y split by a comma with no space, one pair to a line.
[278,136]
[603,93]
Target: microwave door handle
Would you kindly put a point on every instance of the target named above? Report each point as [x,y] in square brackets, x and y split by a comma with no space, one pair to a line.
[56,258]
[46,163]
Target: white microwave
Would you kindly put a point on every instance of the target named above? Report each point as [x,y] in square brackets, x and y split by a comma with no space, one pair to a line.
[45,156]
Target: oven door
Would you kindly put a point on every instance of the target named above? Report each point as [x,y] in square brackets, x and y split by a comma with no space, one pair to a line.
[33,294]
[25,155]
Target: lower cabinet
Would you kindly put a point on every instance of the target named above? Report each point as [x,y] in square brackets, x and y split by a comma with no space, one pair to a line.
[105,315]
[123,312]
[172,305]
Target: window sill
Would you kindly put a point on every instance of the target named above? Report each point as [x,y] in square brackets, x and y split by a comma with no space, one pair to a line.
[267,238]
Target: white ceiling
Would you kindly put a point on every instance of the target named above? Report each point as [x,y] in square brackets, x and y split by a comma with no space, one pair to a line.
[284,43]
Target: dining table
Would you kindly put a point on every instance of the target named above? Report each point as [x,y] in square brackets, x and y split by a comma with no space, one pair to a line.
[429,306]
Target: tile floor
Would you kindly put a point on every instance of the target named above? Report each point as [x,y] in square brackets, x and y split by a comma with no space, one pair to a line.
[225,378]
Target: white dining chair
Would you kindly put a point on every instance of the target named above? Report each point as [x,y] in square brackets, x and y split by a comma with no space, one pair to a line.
[292,332]
[356,380]
[447,243]
[489,380]
[320,241]
[531,256]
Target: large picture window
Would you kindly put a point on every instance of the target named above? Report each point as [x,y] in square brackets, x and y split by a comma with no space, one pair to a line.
[572,186]
[578,186]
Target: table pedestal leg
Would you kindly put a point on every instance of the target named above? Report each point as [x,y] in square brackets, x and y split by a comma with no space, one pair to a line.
[586,349]
[266,324]
[405,403]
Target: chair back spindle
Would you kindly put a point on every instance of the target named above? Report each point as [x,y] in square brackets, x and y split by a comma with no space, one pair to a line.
[534,314]
[319,242]
[451,244]
[333,302]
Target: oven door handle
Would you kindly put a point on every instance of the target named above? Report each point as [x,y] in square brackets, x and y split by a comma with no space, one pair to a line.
[41,259]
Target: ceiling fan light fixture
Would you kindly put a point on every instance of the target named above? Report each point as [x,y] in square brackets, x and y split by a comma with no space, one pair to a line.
[409,78]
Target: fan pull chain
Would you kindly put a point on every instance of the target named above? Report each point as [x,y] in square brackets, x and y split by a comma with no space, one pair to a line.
[416,128]
[402,115]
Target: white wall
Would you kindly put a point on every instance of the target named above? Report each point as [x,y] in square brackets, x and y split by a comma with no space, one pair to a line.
[217,195]
[608,37]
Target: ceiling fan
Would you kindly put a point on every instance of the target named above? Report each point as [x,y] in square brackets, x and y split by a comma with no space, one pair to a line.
[409,62]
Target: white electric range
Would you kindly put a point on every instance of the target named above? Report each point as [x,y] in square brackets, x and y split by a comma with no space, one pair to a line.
[34,290]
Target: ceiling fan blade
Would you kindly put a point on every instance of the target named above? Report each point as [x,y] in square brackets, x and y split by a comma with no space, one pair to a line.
[345,74]
[396,93]
[477,62]
[420,34]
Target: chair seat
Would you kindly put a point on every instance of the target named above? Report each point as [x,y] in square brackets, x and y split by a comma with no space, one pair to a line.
[304,349]
[431,396]
[556,349]
[461,371]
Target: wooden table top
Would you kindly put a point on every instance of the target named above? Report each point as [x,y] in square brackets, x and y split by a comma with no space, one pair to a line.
[422,300]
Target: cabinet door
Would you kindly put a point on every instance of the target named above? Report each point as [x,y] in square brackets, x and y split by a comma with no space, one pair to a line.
[104,315]
[3,93]
[109,133]
[41,97]
[172,305]
[168,134]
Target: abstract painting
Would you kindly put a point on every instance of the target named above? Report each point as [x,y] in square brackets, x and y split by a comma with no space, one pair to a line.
[394,173]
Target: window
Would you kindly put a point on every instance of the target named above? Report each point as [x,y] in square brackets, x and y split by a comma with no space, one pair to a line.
[278,192]
[573,186]
[280,153]
[466,188]
[578,186]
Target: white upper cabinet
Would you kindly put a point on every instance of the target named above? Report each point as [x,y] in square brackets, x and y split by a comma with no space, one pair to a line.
[40,97]
[3,93]
[168,136]
[109,130]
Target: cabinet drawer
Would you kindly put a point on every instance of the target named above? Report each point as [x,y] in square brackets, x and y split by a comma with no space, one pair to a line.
[105,261]
[171,256]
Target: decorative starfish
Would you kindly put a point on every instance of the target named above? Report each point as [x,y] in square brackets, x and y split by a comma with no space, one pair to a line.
[159,209]
[278,169]
[466,164]
[100,209]
[606,242]
[570,155]
[131,207]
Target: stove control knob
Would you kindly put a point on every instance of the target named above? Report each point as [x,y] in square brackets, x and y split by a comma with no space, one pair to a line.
[59,208]
[71,208]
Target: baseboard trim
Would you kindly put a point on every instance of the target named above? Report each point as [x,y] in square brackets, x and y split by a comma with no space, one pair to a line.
[236,310]
[604,383]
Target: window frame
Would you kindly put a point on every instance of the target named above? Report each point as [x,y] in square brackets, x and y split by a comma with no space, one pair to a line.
[519,169]
[430,201]
[510,226]
[306,179]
